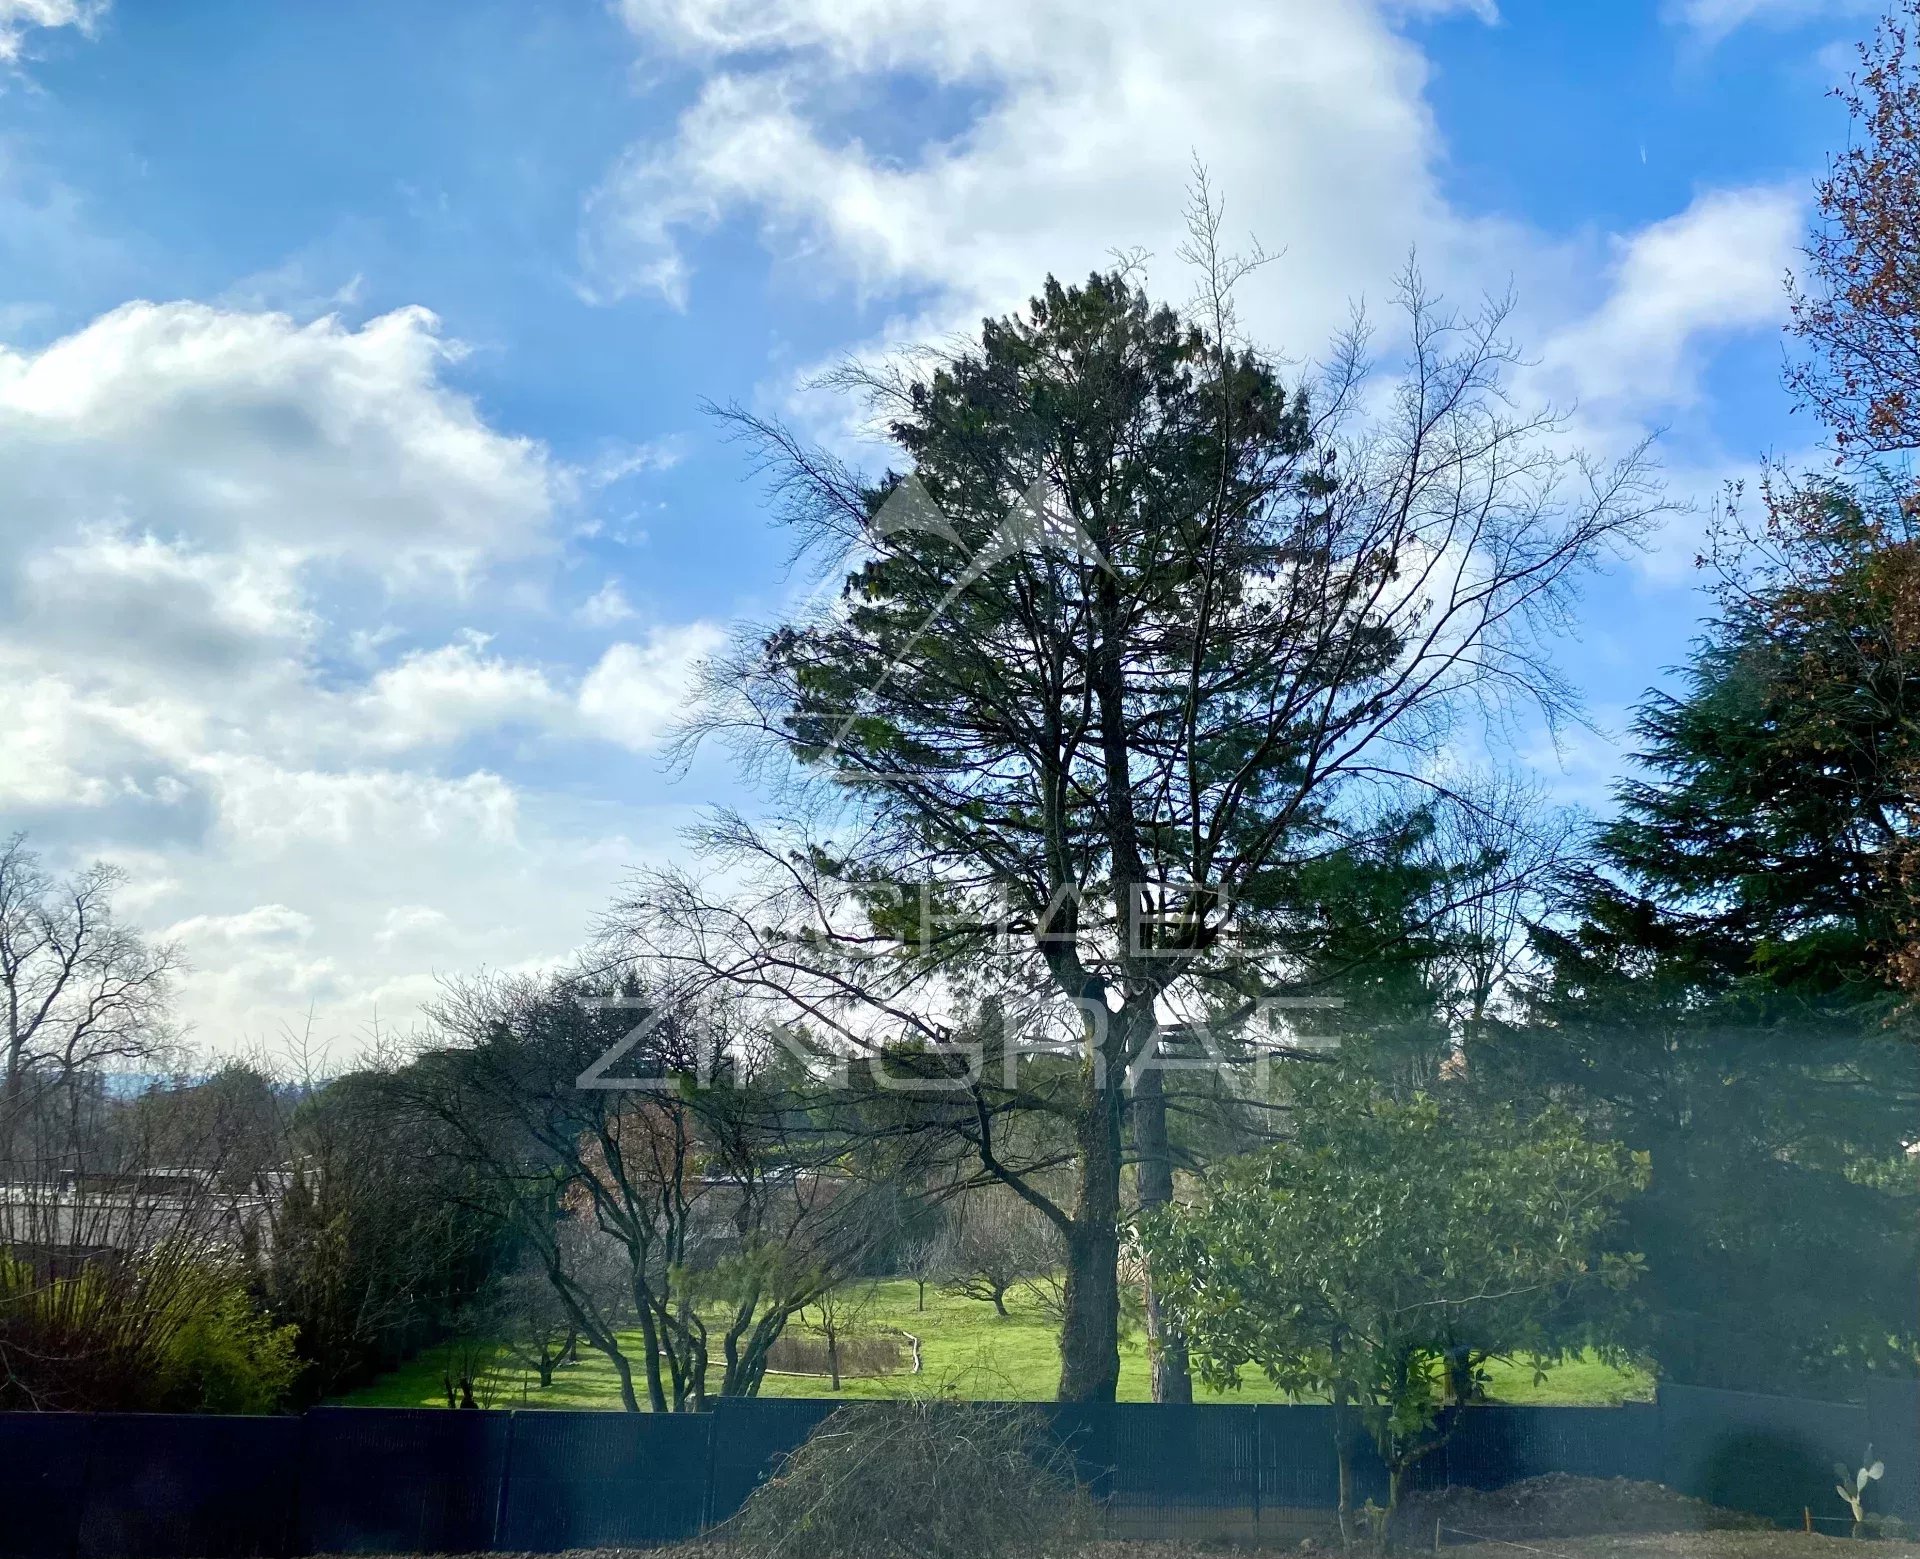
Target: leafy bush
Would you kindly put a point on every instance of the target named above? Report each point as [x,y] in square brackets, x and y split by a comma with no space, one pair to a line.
[163,1331]
[228,1357]
[919,1479]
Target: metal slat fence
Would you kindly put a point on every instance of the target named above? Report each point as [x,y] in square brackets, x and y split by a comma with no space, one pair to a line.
[1770,1455]
[1893,1417]
[377,1480]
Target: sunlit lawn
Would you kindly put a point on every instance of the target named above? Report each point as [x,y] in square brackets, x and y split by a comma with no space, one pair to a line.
[964,1346]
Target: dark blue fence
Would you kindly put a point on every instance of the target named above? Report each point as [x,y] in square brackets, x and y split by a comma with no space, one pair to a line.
[213,1487]
[597,1480]
[1770,1455]
[1893,1418]
[375,1480]
[405,1480]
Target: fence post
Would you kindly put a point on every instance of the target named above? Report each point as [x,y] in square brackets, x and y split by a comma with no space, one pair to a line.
[86,1485]
[712,1417]
[292,1536]
[1259,1468]
[1662,1472]
[506,1480]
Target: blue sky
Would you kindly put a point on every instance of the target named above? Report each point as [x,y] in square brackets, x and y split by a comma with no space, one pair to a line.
[358,521]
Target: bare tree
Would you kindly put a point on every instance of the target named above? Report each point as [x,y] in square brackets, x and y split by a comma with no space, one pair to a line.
[82,992]
[994,1242]
[922,1258]
[834,1315]
[118,1225]
[1502,850]
[533,1323]
[726,1223]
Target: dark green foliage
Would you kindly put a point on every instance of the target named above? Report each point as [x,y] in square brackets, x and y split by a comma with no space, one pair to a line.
[379,1240]
[1721,993]
[1389,1246]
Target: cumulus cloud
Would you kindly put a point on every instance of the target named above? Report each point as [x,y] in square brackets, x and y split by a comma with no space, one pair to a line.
[637,691]
[315,441]
[434,697]
[18,18]
[1714,269]
[1082,120]
[192,498]
[170,604]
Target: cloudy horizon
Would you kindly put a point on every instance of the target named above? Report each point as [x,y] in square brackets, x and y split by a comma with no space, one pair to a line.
[362,527]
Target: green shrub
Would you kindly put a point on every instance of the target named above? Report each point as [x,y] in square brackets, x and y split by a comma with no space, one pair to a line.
[229,1357]
[163,1331]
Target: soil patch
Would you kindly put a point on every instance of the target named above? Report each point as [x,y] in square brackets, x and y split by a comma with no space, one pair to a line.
[1561,1505]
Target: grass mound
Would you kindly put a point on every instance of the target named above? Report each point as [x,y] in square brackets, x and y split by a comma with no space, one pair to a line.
[924,1480]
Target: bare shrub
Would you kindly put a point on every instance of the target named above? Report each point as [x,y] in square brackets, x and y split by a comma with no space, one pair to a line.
[919,1479]
[883,1353]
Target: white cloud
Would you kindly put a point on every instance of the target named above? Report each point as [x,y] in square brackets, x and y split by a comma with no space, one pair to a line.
[218,427]
[1714,19]
[169,603]
[621,461]
[19,17]
[262,923]
[1081,122]
[1715,269]
[1310,116]
[434,697]
[637,691]
[218,528]
[410,922]
[606,607]
[266,810]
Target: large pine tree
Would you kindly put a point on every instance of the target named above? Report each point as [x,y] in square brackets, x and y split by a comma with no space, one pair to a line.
[1722,991]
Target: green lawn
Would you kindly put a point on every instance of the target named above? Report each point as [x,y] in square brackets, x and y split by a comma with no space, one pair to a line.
[966,1346]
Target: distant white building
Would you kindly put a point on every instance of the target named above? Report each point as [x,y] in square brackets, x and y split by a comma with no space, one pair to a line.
[76,1217]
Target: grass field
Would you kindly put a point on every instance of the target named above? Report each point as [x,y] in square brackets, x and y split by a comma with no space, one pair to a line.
[965,1346]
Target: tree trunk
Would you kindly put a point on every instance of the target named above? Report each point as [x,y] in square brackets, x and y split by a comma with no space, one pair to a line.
[1000,1303]
[625,1371]
[1090,1333]
[649,1340]
[1153,1170]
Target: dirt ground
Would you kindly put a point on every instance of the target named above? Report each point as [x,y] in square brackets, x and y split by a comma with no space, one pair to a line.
[1559,1505]
[1555,1517]
[1617,1545]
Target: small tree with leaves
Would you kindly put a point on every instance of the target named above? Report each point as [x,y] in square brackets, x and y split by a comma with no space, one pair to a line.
[1385,1238]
